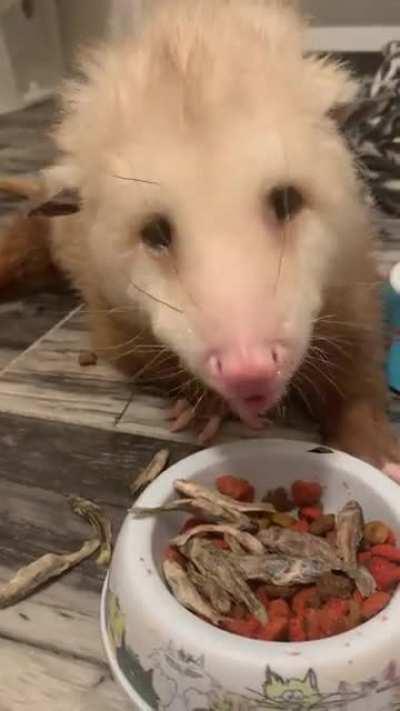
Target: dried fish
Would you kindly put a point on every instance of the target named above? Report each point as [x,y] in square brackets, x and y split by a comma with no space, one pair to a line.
[155,467]
[186,593]
[281,569]
[218,566]
[196,490]
[209,588]
[101,524]
[350,531]
[245,540]
[301,545]
[365,582]
[49,566]
[203,508]
[233,544]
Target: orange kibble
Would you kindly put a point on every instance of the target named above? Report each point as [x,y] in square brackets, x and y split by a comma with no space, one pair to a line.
[300,526]
[374,604]
[278,608]
[235,488]
[276,630]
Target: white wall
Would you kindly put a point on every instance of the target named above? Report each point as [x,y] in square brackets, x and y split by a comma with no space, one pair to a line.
[354,12]
[344,25]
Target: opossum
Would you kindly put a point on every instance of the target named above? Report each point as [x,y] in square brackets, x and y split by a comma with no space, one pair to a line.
[222,243]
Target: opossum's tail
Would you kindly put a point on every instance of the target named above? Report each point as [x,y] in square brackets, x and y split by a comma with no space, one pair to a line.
[26,262]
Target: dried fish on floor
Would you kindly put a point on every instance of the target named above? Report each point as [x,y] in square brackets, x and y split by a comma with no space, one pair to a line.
[155,467]
[196,490]
[245,540]
[186,593]
[302,545]
[216,564]
[349,532]
[282,570]
[46,568]
[99,521]
[209,588]
[51,565]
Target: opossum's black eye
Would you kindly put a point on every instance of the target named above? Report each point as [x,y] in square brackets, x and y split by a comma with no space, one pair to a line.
[157,232]
[286,202]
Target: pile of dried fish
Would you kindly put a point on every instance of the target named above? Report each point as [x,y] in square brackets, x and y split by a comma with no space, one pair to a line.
[268,574]
[51,565]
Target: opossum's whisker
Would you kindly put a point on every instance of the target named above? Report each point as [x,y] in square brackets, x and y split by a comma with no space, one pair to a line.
[297,389]
[135,180]
[134,351]
[155,298]
[330,380]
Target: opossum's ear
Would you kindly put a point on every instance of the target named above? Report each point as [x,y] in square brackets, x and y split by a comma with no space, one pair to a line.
[335,88]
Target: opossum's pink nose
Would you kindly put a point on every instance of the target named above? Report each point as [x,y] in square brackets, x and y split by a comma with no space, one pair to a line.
[251,377]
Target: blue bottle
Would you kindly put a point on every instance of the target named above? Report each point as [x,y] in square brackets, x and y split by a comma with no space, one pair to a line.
[392,318]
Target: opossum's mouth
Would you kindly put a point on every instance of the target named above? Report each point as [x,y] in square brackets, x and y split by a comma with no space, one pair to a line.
[252,407]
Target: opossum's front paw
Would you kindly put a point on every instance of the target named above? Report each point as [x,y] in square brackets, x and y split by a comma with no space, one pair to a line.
[364,432]
[206,417]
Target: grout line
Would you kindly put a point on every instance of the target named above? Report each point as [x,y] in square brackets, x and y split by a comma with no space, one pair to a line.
[36,343]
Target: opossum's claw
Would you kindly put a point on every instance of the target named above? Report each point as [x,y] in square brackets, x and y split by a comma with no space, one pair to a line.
[210,429]
[206,418]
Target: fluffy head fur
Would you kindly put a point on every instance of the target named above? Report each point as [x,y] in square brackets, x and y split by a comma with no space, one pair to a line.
[217,106]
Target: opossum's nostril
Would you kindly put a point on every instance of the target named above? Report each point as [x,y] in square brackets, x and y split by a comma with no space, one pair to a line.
[241,366]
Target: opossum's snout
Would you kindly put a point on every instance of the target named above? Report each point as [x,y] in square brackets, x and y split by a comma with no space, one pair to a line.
[249,378]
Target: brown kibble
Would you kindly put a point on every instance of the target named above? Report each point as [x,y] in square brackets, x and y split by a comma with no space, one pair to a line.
[322,525]
[277,591]
[87,358]
[332,585]
[280,499]
[376,533]
[283,520]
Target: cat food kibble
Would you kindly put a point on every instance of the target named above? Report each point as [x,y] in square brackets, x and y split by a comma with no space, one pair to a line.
[281,569]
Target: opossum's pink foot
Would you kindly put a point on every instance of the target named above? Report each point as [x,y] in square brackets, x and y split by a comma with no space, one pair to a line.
[206,422]
[393,471]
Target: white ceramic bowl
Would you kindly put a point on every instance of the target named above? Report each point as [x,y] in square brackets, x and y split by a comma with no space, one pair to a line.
[166,658]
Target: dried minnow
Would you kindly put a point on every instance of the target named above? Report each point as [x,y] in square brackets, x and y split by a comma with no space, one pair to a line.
[196,490]
[155,467]
[349,532]
[203,508]
[299,545]
[233,544]
[246,540]
[209,588]
[186,593]
[36,574]
[100,522]
[175,505]
[364,580]
[216,565]
[280,569]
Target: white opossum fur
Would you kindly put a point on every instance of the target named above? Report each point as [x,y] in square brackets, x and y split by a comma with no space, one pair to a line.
[219,111]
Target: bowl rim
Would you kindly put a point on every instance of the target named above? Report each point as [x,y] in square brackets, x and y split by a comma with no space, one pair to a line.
[356,642]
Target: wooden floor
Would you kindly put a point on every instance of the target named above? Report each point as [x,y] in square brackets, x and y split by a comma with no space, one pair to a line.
[63,430]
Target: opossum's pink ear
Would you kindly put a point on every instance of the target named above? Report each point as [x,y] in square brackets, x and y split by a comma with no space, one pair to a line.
[335,89]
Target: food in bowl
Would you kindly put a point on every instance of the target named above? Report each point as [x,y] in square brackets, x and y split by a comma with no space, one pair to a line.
[169,659]
[280,569]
